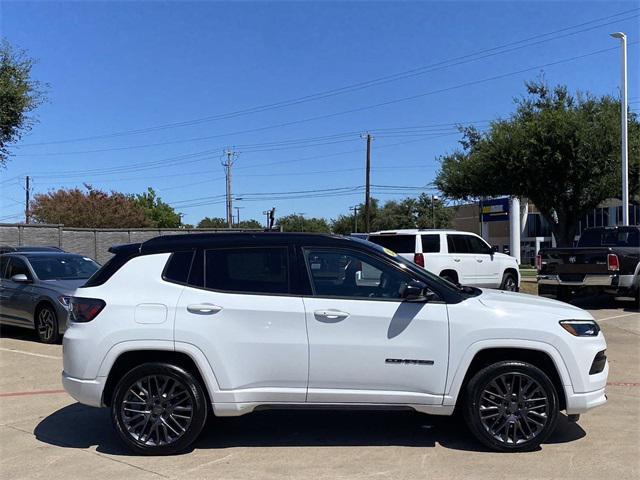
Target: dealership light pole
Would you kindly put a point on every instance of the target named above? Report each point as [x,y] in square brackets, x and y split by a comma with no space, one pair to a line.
[624,127]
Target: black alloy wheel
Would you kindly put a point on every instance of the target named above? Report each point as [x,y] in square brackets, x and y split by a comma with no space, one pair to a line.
[511,406]
[46,323]
[159,409]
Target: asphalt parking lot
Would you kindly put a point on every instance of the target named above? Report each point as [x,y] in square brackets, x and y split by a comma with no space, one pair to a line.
[46,434]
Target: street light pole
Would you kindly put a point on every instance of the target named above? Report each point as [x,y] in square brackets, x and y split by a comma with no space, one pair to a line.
[624,127]
[433,209]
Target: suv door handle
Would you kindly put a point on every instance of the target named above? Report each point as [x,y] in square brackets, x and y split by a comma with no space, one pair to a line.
[330,315]
[203,308]
[456,259]
[479,260]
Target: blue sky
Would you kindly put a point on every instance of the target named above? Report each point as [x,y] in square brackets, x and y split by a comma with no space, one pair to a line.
[117,67]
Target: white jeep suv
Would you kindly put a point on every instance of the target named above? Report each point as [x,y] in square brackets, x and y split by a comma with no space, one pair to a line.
[179,327]
[460,257]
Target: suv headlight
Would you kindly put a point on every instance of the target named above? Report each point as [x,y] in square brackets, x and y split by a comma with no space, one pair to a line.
[581,328]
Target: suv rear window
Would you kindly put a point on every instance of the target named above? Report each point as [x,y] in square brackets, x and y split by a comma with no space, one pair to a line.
[397,243]
[430,243]
[247,270]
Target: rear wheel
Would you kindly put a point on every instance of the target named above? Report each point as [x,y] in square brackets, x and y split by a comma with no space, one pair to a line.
[159,409]
[511,406]
[46,323]
[509,282]
[449,277]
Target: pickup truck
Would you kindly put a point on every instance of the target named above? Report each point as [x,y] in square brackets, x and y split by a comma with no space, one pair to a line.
[606,259]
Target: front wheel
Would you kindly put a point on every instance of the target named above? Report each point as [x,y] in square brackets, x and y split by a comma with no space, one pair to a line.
[47,325]
[158,409]
[509,283]
[511,406]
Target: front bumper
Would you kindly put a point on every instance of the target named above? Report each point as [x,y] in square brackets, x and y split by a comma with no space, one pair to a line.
[88,392]
[578,403]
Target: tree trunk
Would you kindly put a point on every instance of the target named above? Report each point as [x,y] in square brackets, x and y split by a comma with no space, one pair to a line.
[565,230]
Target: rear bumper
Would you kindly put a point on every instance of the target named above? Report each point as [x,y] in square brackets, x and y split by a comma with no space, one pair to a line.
[88,392]
[590,280]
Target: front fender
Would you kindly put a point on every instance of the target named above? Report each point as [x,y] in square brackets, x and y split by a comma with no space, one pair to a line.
[458,372]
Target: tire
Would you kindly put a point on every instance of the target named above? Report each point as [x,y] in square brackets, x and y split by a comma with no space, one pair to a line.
[564,294]
[46,324]
[509,282]
[449,277]
[510,428]
[153,421]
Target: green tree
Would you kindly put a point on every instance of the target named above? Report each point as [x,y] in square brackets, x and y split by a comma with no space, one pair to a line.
[298,223]
[90,209]
[249,225]
[407,213]
[19,96]
[559,150]
[161,214]
[213,222]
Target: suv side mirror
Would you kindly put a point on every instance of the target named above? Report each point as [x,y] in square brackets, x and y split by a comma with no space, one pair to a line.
[495,249]
[414,291]
[20,278]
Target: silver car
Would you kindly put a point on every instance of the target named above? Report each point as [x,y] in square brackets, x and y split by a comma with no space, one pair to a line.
[35,288]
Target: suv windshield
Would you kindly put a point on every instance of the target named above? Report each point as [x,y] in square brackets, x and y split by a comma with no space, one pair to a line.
[62,267]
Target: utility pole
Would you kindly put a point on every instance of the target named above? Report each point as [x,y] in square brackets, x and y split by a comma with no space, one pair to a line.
[238,214]
[228,164]
[434,199]
[27,191]
[624,126]
[367,188]
[354,209]
[266,213]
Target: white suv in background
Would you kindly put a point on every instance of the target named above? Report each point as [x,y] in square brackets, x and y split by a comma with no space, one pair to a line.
[460,257]
[179,327]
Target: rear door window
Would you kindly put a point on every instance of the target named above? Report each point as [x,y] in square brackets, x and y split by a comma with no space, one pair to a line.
[430,243]
[178,267]
[247,270]
[397,243]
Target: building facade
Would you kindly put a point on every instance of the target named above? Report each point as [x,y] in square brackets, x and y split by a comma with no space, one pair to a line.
[494,224]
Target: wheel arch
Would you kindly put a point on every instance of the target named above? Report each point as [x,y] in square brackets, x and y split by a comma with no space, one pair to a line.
[451,272]
[512,271]
[543,356]
[129,359]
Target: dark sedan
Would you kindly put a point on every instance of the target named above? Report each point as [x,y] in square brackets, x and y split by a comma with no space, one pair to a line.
[35,288]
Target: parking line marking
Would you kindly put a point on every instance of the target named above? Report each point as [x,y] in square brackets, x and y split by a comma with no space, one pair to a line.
[623,384]
[616,316]
[41,355]
[31,392]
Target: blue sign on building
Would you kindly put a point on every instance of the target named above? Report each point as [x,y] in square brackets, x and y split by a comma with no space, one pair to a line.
[495,210]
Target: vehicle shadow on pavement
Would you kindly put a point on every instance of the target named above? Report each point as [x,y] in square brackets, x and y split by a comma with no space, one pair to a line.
[78,426]
[600,302]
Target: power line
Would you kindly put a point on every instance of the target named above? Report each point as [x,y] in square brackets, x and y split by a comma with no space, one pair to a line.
[352,110]
[447,63]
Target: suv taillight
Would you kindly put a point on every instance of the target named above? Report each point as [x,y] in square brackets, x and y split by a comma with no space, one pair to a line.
[418,259]
[612,262]
[538,262]
[84,310]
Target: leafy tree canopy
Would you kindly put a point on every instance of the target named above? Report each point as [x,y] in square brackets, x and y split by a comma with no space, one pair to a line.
[298,223]
[212,222]
[19,96]
[161,214]
[90,209]
[561,151]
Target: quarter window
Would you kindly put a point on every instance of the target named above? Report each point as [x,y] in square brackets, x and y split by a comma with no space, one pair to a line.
[247,270]
[397,243]
[338,273]
[178,267]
